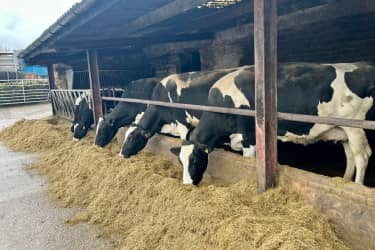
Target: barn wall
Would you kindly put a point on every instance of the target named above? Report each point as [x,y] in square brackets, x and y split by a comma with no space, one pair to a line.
[230,48]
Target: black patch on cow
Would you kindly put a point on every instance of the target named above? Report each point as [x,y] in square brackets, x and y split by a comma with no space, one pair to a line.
[155,117]
[124,113]
[199,158]
[85,119]
[300,89]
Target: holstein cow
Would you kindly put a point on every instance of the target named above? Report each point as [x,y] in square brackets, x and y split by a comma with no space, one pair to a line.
[338,90]
[190,88]
[83,117]
[125,113]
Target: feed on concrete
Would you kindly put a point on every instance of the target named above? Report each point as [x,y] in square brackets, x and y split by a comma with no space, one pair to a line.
[140,202]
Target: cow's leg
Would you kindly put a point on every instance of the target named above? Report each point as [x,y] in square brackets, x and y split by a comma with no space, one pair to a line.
[249,149]
[361,151]
[314,135]
[350,163]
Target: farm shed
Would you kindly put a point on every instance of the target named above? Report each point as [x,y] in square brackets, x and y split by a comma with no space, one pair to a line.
[116,41]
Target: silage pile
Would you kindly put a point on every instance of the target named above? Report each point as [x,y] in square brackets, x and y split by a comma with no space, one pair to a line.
[142,204]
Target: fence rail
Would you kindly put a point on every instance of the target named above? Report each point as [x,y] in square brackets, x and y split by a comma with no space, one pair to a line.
[337,121]
[18,93]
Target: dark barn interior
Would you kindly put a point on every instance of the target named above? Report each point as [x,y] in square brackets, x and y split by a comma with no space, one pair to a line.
[159,37]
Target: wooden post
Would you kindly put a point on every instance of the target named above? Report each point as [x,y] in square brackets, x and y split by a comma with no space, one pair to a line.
[93,69]
[52,84]
[265,45]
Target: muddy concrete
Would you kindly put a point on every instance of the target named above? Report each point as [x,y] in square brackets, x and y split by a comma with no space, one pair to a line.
[29,219]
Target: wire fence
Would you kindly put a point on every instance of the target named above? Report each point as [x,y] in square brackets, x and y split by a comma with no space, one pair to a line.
[23,92]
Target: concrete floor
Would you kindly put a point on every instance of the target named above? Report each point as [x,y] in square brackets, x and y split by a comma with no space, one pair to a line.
[28,218]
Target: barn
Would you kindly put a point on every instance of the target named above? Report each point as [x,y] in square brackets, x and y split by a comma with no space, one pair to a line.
[99,46]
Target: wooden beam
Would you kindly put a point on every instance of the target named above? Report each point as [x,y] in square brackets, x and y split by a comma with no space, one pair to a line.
[52,84]
[265,43]
[132,43]
[93,68]
[163,13]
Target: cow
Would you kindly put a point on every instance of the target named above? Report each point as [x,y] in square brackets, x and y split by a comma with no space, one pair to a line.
[125,113]
[336,90]
[83,117]
[191,87]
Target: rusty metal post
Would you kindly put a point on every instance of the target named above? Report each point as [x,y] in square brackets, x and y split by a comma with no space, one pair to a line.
[93,69]
[52,84]
[265,45]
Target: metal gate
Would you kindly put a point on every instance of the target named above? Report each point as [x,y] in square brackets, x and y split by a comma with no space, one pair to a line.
[23,92]
[63,101]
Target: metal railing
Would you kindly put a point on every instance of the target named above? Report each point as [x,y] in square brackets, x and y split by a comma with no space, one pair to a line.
[23,93]
[24,81]
[63,101]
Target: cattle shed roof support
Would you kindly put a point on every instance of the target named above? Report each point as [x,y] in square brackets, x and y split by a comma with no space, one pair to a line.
[52,83]
[93,68]
[265,48]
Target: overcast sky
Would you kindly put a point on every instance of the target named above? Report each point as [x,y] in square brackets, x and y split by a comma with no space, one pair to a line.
[22,21]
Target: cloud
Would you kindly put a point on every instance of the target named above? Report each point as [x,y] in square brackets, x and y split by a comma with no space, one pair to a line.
[12,22]
[22,21]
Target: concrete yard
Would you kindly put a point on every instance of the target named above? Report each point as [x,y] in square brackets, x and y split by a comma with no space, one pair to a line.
[29,219]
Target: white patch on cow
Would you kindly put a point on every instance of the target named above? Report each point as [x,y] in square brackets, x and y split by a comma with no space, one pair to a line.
[180,84]
[249,152]
[182,130]
[191,119]
[75,127]
[237,145]
[344,104]
[227,87]
[170,129]
[131,129]
[169,97]
[138,118]
[78,100]
[128,132]
[75,139]
[186,151]
[99,123]
[236,142]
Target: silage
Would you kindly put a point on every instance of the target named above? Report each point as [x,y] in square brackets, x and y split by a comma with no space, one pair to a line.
[142,203]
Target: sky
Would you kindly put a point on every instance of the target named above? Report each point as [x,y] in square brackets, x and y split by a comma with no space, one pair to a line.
[23,21]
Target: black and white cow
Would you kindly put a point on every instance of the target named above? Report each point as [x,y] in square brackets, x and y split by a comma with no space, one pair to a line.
[125,113]
[83,117]
[190,88]
[337,90]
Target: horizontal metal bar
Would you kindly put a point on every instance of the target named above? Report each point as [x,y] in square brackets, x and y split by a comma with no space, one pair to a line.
[70,90]
[21,90]
[337,121]
[27,102]
[242,112]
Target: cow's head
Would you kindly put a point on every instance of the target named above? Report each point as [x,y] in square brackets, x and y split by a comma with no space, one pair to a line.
[135,140]
[194,160]
[83,118]
[105,131]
